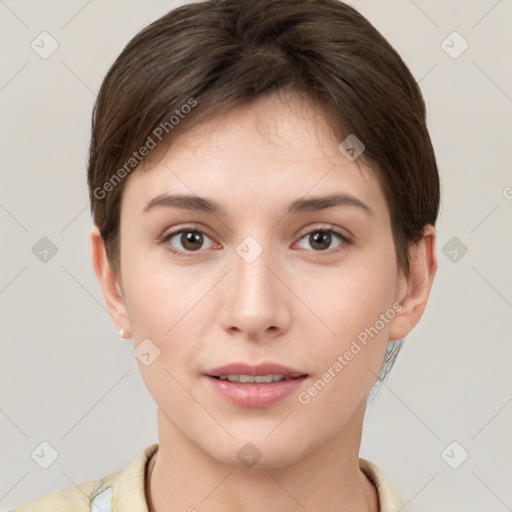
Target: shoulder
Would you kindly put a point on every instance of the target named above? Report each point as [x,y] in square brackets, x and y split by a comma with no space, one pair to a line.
[126,485]
[73,499]
[389,498]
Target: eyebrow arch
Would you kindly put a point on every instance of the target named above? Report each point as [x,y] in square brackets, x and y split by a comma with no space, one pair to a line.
[201,204]
[324,202]
[186,202]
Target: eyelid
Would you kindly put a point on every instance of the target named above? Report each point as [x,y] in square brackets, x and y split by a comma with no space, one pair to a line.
[187,227]
[341,232]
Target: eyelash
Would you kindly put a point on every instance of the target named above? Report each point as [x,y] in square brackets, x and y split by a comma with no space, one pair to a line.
[196,229]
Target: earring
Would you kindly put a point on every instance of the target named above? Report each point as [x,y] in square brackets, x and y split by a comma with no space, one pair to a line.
[121,333]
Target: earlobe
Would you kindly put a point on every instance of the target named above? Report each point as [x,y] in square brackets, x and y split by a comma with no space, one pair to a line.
[422,266]
[108,282]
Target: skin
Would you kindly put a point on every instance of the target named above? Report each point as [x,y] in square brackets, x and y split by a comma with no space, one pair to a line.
[296,304]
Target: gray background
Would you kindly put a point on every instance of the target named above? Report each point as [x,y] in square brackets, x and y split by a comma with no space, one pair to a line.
[68,380]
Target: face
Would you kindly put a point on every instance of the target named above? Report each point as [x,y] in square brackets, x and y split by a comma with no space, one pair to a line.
[268,276]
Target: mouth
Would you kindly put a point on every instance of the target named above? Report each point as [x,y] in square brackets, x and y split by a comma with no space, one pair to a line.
[255,386]
[264,373]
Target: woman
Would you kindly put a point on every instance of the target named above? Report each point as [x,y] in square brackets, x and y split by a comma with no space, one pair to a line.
[264,193]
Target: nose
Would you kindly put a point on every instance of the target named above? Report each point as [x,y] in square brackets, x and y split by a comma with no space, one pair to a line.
[256,300]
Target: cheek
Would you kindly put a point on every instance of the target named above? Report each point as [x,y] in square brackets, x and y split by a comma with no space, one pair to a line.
[163,306]
[348,360]
[352,298]
[355,309]
[161,296]
[166,305]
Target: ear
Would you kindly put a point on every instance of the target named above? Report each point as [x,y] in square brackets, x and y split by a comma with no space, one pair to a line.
[413,291]
[109,283]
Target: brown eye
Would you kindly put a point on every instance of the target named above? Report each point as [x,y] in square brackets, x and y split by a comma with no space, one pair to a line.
[191,240]
[186,241]
[321,239]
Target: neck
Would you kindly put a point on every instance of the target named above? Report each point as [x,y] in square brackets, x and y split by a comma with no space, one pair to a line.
[327,478]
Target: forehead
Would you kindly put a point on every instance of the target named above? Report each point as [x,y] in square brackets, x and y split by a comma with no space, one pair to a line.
[269,151]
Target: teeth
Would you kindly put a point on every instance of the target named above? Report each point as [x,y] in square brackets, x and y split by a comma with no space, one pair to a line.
[249,378]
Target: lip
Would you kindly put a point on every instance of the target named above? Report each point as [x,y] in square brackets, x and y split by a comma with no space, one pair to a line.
[253,370]
[255,395]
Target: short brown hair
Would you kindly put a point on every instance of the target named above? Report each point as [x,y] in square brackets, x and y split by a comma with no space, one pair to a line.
[223,53]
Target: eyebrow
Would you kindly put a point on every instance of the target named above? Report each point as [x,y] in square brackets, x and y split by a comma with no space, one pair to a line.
[201,204]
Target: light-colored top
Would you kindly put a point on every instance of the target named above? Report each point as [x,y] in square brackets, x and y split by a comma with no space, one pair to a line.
[124,491]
